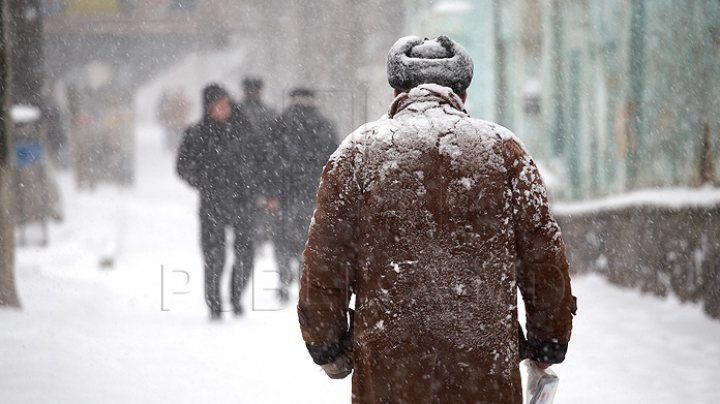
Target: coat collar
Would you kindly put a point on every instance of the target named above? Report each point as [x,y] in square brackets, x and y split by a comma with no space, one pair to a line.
[424,97]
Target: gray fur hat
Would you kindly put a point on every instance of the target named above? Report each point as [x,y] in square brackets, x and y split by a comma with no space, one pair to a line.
[413,61]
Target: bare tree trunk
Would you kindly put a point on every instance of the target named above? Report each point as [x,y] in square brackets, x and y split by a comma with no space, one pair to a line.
[707,168]
[8,294]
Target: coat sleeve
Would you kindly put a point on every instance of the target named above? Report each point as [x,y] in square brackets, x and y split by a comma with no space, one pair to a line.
[243,155]
[276,161]
[543,272]
[330,256]
[187,164]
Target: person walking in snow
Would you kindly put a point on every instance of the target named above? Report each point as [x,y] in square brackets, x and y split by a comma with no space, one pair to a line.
[263,120]
[307,140]
[432,219]
[214,157]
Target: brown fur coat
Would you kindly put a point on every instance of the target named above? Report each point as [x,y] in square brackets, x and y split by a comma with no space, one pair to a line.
[433,220]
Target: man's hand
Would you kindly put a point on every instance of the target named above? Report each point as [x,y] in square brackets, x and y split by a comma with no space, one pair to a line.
[339,368]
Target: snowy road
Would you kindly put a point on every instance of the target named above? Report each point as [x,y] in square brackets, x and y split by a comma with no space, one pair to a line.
[113,313]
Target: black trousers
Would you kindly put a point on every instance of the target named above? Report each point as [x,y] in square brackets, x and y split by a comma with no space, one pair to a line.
[287,250]
[213,240]
[289,236]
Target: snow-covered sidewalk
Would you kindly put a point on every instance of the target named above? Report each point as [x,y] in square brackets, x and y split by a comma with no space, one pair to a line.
[113,312]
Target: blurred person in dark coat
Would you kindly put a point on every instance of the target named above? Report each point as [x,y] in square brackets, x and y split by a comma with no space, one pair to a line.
[308,139]
[215,157]
[269,170]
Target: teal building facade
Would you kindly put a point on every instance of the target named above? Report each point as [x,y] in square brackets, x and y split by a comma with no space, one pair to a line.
[608,95]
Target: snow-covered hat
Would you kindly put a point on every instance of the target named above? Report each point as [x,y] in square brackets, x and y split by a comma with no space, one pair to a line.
[413,61]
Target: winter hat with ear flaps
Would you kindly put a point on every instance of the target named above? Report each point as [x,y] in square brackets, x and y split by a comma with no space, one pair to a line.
[413,61]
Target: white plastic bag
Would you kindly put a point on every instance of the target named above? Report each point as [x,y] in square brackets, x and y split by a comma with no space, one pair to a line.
[541,384]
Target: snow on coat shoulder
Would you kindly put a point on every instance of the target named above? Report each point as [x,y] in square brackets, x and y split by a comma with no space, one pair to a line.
[416,108]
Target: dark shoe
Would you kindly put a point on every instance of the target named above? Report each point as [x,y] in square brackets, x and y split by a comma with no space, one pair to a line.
[215,315]
[238,311]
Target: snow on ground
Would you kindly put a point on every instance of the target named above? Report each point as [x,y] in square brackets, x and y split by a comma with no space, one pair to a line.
[113,312]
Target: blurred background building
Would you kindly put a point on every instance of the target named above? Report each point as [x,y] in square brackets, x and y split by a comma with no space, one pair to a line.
[611,95]
[336,47]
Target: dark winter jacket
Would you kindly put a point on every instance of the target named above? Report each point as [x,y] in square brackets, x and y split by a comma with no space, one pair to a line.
[263,121]
[214,158]
[433,220]
[308,139]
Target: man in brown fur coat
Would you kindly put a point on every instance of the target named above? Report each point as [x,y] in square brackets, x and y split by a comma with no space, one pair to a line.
[432,220]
